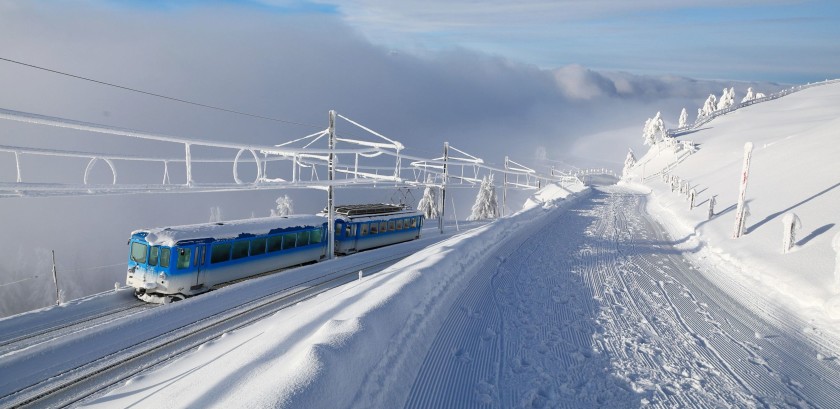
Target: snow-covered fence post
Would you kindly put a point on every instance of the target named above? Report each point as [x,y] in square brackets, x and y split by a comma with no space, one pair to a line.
[692,194]
[712,202]
[55,280]
[835,244]
[740,211]
[790,223]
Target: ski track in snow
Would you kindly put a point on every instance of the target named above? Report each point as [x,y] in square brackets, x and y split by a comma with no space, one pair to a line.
[596,308]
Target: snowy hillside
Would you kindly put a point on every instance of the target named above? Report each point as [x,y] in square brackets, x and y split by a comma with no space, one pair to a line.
[794,168]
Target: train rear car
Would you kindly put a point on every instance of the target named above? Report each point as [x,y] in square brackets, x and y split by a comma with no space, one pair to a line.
[367,226]
[180,261]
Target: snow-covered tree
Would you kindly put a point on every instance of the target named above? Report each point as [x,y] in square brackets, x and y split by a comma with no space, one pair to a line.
[284,206]
[429,204]
[683,119]
[708,107]
[759,95]
[654,129]
[485,206]
[727,98]
[749,97]
[629,161]
[215,214]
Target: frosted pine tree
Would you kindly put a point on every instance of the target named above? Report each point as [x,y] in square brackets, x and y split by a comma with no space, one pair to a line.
[284,206]
[683,119]
[749,97]
[653,130]
[485,206]
[428,204]
[629,161]
[727,98]
[708,107]
[215,214]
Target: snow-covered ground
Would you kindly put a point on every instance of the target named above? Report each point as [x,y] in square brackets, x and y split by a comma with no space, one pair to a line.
[576,303]
[614,296]
[794,168]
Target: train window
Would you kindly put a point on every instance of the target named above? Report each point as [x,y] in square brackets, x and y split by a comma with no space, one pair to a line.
[289,241]
[353,229]
[374,228]
[347,231]
[391,225]
[165,254]
[183,258]
[302,238]
[153,256]
[220,253]
[338,229]
[257,246]
[413,222]
[399,224]
[138,252]
[275,243]
[364,230]
[315,236]
[240,249]
[383,227]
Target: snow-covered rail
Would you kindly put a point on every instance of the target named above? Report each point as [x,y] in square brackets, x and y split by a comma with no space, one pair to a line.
[12,341]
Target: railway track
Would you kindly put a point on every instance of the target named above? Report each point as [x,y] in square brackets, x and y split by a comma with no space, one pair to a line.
[91,379]
[14,342]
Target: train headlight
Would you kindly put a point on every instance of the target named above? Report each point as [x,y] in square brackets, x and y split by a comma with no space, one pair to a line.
[162,275]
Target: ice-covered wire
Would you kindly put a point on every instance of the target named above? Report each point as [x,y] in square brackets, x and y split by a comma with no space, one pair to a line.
[157,95]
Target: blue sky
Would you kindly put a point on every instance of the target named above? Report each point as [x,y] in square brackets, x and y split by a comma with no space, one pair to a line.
[783,40]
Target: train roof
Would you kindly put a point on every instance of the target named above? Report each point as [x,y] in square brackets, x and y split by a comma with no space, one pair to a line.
[205,232]
[377,211]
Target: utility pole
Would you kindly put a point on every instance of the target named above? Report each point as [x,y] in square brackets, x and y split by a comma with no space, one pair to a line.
[330,190]
[443,186]
[504,189]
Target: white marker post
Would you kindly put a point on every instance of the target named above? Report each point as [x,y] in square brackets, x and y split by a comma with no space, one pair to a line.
[790,224]
[742,195]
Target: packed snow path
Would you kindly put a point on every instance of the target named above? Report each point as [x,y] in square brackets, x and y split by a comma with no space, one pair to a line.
[596,308]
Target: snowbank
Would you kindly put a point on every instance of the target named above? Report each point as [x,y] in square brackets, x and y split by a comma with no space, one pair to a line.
[793,169]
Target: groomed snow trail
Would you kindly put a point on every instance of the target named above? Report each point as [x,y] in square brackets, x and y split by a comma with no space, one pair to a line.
[595,308]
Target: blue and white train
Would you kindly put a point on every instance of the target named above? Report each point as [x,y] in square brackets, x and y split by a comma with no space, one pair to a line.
[180,261]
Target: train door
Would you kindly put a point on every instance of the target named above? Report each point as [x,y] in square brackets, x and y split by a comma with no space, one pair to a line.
[200,274]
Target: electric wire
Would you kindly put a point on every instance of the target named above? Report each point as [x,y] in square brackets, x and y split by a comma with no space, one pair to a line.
[157,95]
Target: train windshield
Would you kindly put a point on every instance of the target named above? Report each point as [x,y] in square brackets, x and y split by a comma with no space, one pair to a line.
[138,252]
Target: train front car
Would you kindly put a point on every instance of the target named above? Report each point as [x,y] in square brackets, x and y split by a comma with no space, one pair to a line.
[366,226]
[176,262]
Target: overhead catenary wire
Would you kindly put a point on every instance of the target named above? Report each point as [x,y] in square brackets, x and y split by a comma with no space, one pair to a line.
[157,95]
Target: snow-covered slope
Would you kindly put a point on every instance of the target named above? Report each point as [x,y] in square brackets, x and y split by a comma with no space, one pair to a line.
[794,168]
